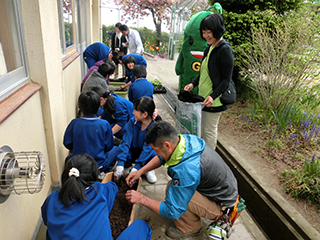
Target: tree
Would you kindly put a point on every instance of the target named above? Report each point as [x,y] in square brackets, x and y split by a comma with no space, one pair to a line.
[159,9]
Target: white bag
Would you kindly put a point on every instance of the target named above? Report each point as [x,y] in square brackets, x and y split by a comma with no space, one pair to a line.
[188,118]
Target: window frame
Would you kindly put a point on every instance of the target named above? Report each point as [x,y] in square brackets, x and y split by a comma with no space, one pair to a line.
[67,51]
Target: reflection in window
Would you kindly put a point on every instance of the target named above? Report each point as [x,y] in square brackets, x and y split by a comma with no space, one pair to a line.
[68,22]
[10,52]
[13,70]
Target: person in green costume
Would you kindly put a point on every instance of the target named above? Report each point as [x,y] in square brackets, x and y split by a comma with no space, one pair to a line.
[193,46]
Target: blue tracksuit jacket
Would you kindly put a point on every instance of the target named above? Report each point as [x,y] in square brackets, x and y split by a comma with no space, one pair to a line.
[139,61]
[140,88]
[92,136]
[133,147]
[123,112]
[95,52]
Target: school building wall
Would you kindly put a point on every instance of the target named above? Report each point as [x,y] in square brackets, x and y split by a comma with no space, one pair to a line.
[45,107]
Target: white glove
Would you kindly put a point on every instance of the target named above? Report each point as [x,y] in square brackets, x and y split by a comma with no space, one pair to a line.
[118,172]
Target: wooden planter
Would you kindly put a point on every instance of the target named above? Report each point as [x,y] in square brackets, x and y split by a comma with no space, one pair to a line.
[108,177]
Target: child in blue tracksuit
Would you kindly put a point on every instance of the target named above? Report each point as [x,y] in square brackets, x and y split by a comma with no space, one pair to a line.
[90,134]
[133,148]
[129,62]
[141,87]
[96,52]
[81,208]
[116,110]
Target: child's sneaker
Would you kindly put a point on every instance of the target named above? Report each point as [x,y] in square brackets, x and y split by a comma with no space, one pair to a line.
[151,176]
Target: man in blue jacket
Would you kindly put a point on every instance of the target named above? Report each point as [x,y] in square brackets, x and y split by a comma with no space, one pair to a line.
[202,184]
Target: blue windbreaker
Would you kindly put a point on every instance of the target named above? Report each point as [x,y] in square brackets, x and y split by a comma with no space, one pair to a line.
[185,176]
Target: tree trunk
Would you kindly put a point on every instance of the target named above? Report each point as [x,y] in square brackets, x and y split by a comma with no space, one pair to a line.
[158,29]
[157,23]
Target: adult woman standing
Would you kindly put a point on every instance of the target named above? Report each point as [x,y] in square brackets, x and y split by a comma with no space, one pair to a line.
[215,76]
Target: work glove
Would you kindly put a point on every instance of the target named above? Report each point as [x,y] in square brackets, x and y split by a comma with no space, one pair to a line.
[118,173]
[240,205]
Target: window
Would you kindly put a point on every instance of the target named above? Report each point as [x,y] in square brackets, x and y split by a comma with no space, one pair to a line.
[13,63]
[67,11]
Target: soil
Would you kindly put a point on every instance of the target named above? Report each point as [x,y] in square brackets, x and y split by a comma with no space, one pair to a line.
[249,144]
[120,214]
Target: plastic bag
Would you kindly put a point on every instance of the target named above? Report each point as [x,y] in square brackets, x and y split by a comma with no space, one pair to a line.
[188,118]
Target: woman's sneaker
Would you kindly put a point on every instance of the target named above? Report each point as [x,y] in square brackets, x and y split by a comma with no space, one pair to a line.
[151,176]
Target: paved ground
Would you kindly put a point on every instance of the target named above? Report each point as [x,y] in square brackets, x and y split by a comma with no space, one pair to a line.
[244,228]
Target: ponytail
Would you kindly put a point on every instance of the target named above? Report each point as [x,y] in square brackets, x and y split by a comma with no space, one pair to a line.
[80,171]
[146,104]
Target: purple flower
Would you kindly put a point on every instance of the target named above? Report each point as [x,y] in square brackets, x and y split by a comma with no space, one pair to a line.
[275,151]
[312,158]
[274,135]
[292,136]
[294,160]
[296,143]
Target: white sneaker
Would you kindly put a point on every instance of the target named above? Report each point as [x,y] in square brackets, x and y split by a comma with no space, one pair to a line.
[151,176]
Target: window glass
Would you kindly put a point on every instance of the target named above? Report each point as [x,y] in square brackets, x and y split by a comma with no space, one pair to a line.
[13,70]
[68,21]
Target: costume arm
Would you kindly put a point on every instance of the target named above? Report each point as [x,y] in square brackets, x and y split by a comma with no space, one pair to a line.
[226,63]
[179,64]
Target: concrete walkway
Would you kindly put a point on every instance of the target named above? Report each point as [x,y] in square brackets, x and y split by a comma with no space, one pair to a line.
[244,228]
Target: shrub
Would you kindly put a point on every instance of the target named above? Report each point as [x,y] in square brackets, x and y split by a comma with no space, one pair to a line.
[303,182]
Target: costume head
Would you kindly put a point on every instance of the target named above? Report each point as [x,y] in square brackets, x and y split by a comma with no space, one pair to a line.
[193,46]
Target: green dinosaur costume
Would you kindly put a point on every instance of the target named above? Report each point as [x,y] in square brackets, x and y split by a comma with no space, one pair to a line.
[193,46]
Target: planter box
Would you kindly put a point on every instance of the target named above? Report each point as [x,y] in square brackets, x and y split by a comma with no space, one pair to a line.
[108,177]
[159,89]
[116,84]
[117,79]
